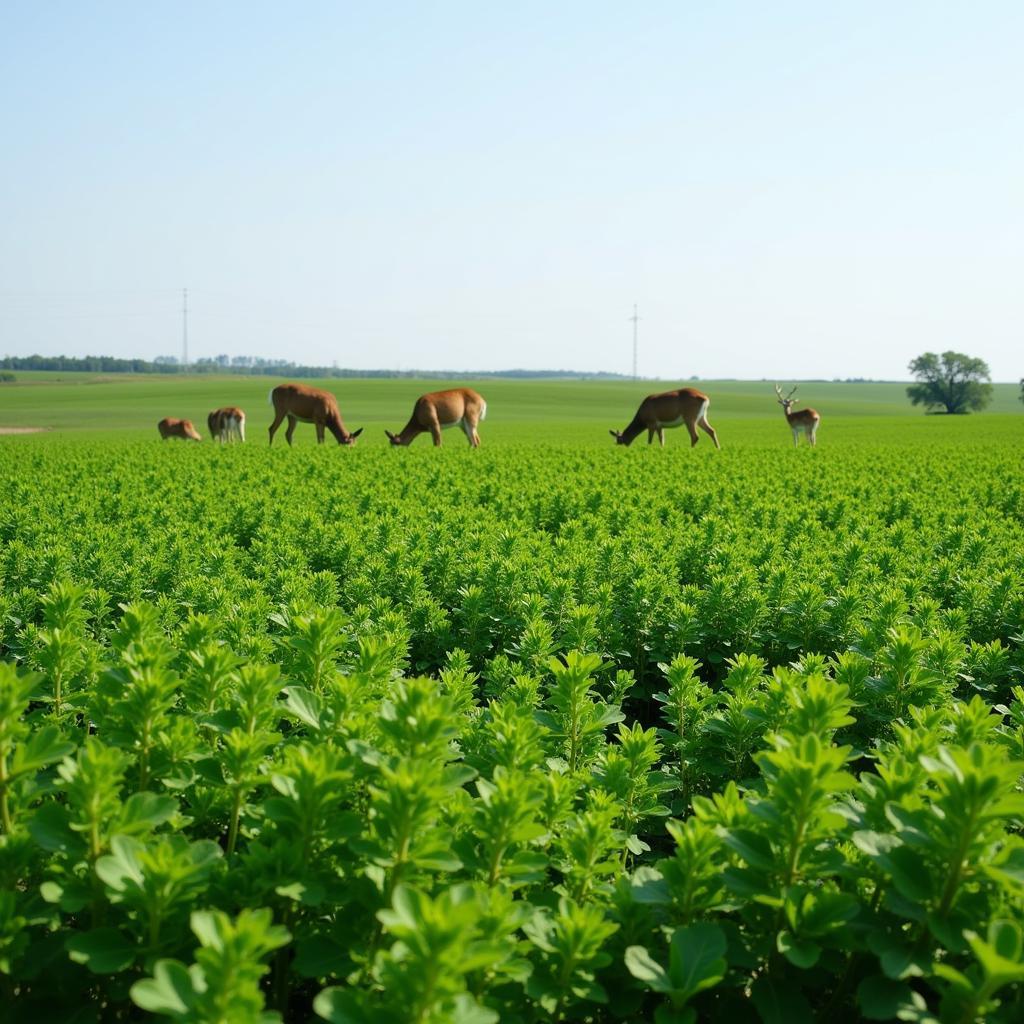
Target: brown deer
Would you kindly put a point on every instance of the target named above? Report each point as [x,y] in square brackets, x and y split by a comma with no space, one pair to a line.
[170,427]
[302,404]
[227,423]
[806,420]
[669,409]
[438,410]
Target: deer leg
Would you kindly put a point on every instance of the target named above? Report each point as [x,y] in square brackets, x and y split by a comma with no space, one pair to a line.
[291,429]
[709,430]
[434,426]
[469,430]
[278,419]
[319,433]
[661,437]
[694,436]
[796,438]
[650,435]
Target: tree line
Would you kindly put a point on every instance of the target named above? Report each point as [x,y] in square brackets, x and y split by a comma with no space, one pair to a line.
[256,366]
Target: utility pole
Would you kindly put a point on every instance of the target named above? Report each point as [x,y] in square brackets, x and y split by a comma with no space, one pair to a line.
[635,320]
[184,330]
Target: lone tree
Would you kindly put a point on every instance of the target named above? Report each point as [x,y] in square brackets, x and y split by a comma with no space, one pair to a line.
[953,382]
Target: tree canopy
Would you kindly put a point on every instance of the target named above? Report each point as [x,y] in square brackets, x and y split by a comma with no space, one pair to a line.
[953,382]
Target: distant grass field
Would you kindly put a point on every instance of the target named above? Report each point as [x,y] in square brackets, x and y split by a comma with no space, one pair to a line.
[518,411]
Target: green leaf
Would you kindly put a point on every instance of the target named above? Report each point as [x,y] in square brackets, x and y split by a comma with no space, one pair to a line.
[51,828]
[1006,939]
[103,950]
[644,968]
[800,954]
[345,1006]
[649,886]
[753,848]
[824,910]
[304,705]
[170,991]
[74,894]
[696,962]
[881,998]
[144,811]
[897,960]
[466,1010]
[43,747]
[909,873]
[121,865]
[1000,969]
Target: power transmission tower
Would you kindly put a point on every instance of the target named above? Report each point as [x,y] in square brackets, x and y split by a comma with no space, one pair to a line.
[184,329]
[635,320]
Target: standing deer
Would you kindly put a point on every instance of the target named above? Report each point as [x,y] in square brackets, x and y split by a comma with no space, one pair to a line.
[170,427]
[302,404]
[670,409]
[227,423]
[806,420]
[439,410]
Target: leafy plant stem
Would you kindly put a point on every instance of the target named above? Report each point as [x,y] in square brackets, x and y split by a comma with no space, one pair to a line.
[495,868]
[144,759]
[5,810]
[956,866]
[236,809]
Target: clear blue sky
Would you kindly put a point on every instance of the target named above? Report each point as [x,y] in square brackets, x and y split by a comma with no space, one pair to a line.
[794,189]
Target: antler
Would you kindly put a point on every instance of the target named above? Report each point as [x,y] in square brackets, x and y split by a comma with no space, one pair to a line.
[793,392]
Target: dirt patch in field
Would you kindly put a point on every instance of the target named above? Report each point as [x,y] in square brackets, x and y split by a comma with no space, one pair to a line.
[23,430]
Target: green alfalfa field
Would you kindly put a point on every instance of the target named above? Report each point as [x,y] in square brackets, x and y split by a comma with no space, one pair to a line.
[549,730]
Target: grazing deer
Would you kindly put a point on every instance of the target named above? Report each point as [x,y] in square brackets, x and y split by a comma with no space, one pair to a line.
[806,420]
[170,427]
[302,404]
[438,410]
[227,423]
[669,409]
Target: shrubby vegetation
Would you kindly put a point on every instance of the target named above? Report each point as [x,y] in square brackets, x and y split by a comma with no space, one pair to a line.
[520,734]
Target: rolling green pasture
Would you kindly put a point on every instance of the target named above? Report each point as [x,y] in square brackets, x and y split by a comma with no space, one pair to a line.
[573,411]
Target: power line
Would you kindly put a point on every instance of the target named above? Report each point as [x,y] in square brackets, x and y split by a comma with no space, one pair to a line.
[184,328]
[635,320]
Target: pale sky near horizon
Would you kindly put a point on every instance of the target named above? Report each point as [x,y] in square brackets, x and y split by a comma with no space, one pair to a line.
[786,190]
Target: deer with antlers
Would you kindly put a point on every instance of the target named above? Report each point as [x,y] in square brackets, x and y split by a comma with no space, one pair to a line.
[806,420]
[302,404]
[438,410]
[670,409]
